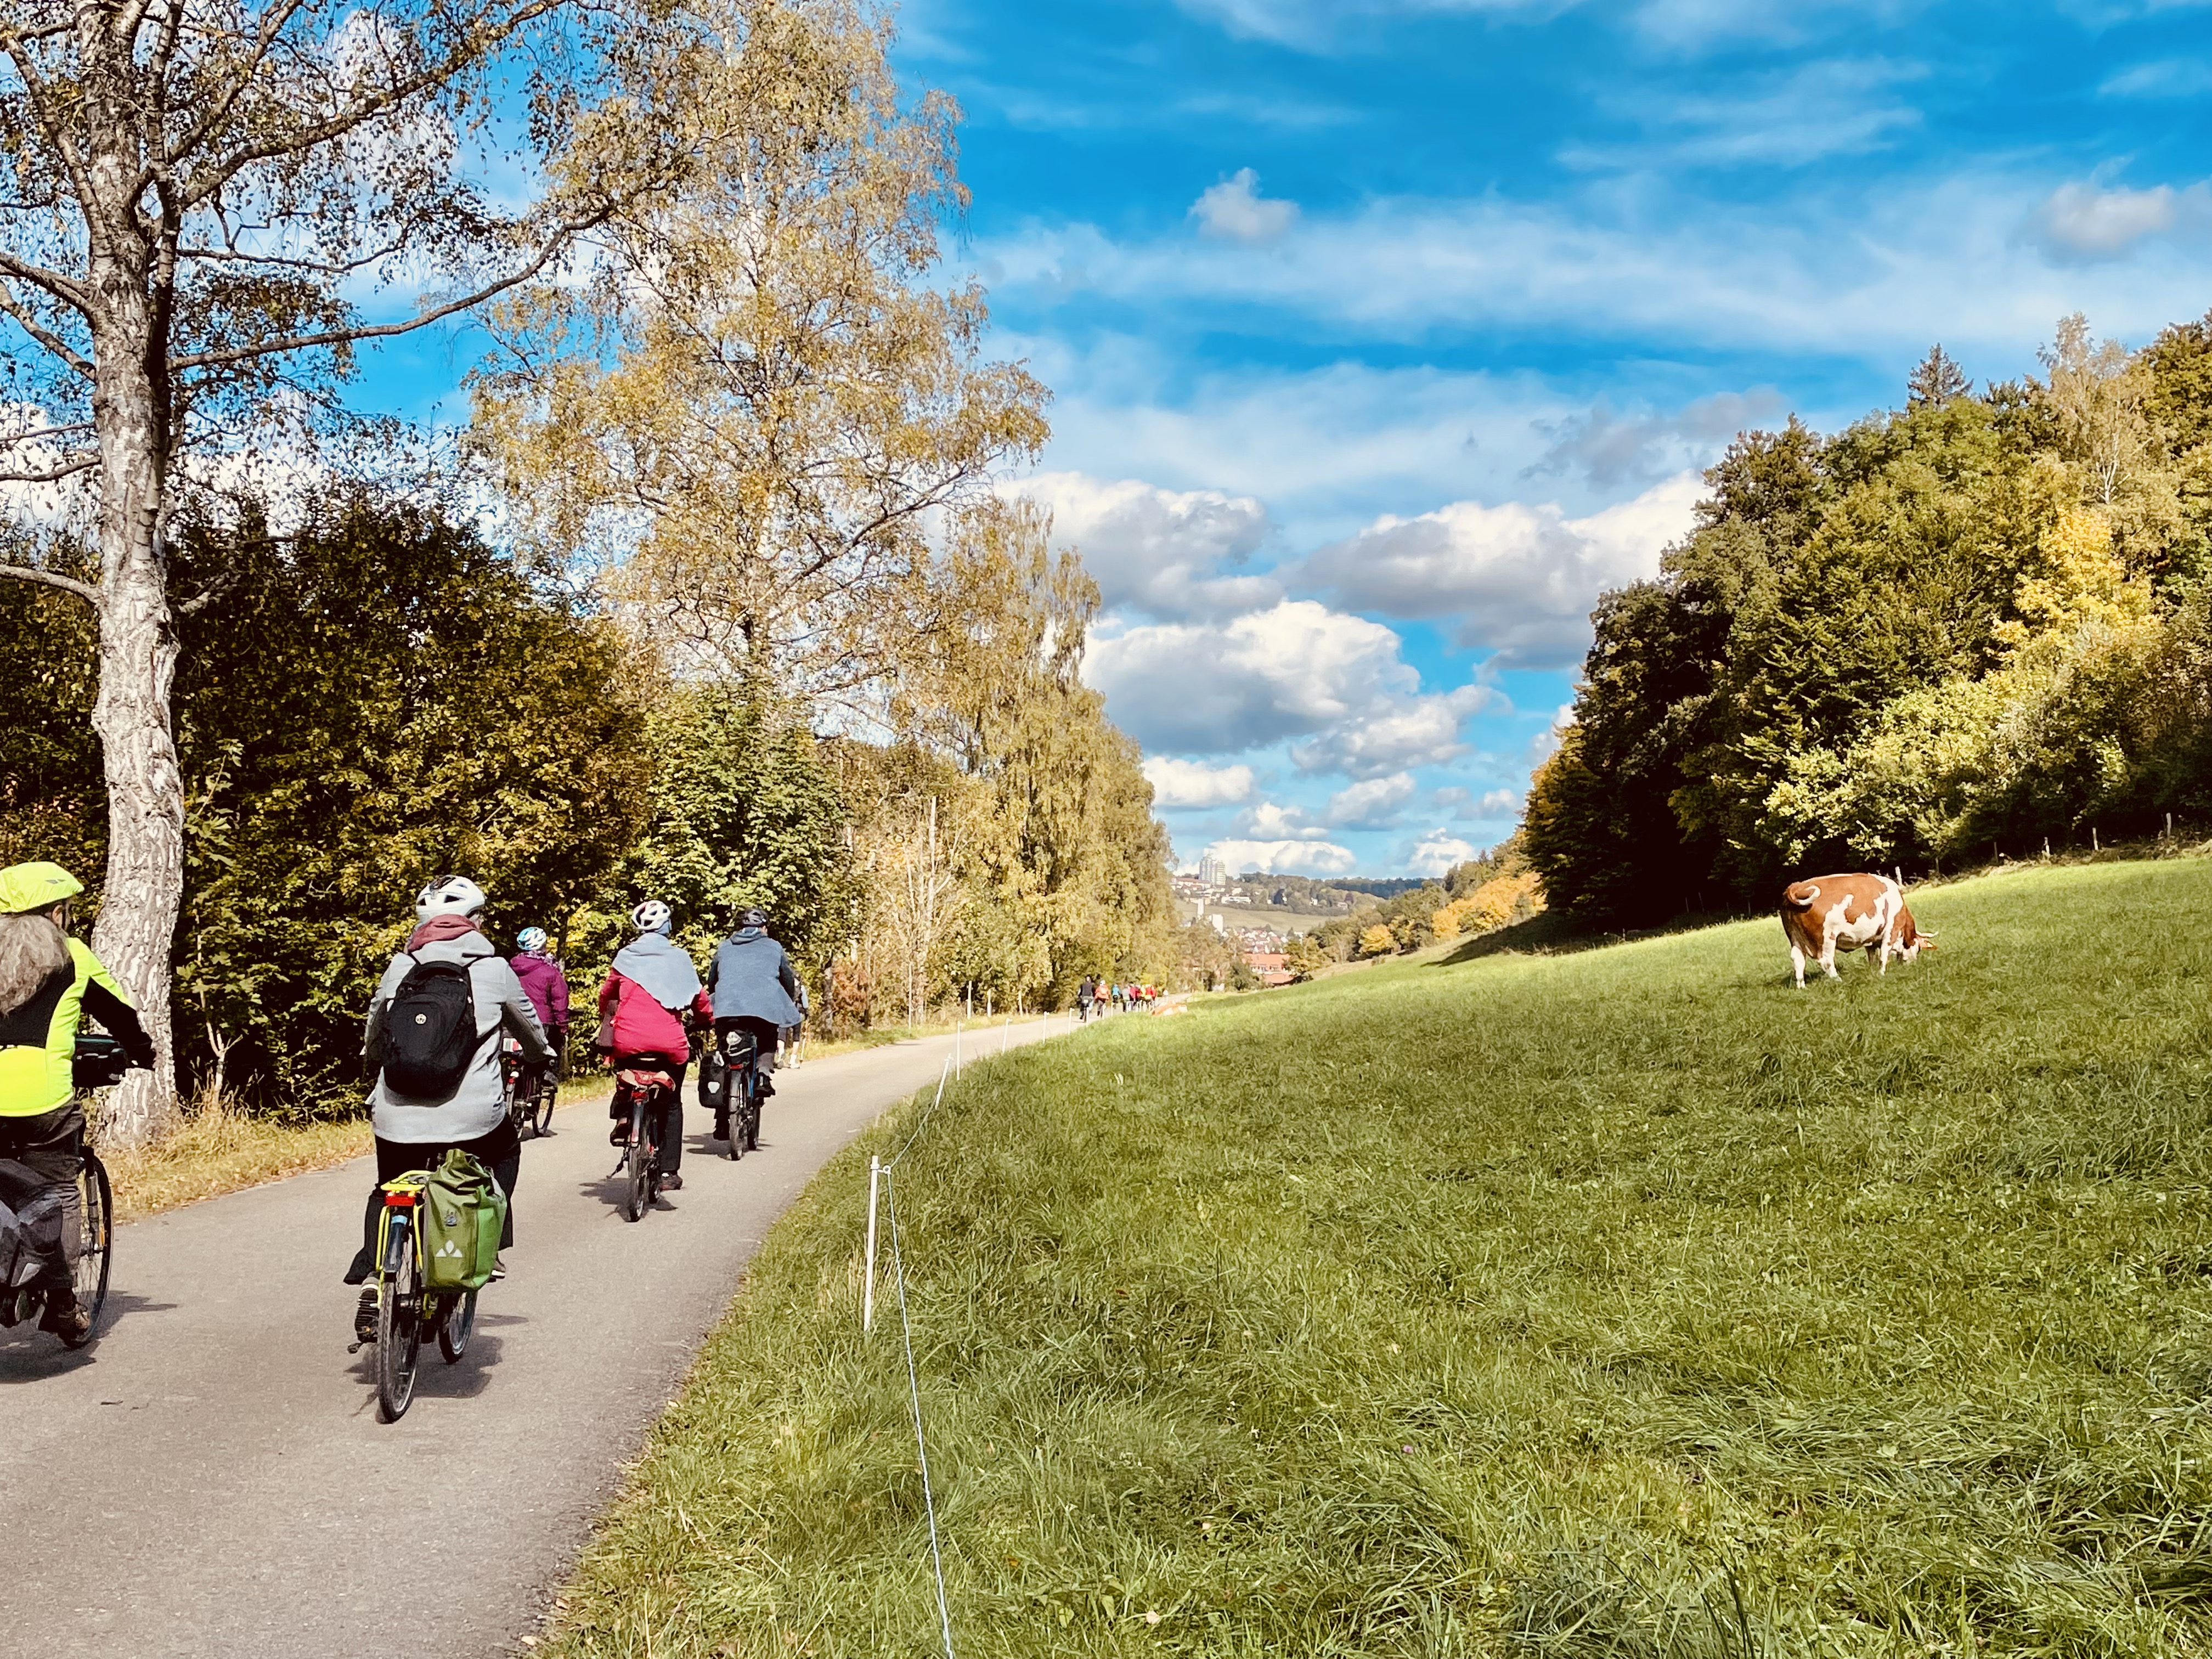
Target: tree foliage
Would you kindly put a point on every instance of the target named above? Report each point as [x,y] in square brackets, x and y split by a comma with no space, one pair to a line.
[771,399]
[372,699]
[1976,620]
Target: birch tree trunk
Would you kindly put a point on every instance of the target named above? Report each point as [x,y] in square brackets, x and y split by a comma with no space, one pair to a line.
[144,890]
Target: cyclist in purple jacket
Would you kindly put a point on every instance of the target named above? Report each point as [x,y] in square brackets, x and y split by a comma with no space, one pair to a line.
[546,984]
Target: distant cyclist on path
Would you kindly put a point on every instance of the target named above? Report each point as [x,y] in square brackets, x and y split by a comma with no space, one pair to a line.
[545,982]
[754,991]
[48,982]
[648,991]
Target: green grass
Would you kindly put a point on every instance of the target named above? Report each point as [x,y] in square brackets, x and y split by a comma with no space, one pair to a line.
[1624,1303]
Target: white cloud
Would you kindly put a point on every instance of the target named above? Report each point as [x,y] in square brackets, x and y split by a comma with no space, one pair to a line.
[2082,222]
[1286,857]
[1160,551]
[1371,804]
[1320,25]
[1314,25]
[1421,731]
[1435,853]
[1835,106]
[1182,783]
[1269,821]
[1611,449]
[1873,277]
[1297,670]
[2170,77]
[1234,211]
[1516,578]
[1693,25]
[1493,805]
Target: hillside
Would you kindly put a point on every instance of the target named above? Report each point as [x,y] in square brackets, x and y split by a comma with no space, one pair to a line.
[1627,1302]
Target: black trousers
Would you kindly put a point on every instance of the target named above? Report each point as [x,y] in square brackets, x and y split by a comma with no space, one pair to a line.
[668,1121]
[499,1151]
[50,1146]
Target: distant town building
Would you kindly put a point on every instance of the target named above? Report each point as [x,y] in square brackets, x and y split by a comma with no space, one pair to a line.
[1211,871]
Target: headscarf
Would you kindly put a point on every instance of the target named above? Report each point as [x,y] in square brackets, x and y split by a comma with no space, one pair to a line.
[664,972]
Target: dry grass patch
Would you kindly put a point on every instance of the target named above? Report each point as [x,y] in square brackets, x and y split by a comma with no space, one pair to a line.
[216,1149]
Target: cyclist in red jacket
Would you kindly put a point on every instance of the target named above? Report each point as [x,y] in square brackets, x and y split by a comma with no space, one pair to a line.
[650,994]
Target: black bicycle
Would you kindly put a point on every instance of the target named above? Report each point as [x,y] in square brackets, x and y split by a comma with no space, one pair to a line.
[529,1092]
[640,1092]
[739,1124]
[98,1062]
[404,1309]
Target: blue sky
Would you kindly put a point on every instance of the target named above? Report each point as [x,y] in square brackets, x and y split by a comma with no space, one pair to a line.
[1386,333]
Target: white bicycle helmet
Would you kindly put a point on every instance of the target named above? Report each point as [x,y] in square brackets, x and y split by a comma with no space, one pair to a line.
[529,940]
[652,917]
[449,895]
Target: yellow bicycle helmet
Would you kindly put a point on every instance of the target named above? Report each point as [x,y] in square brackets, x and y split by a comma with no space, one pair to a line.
[35,886]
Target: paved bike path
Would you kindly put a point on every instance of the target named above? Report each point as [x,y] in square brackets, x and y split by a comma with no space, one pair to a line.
[209,1479]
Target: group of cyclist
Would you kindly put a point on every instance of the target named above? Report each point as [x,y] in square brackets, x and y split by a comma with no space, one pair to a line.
[1104,997]
[650,1006]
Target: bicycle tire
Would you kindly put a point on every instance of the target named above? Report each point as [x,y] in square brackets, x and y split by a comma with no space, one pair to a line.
[456,1328]
[96,1239]
[399,1330]
[511,1099]
[636,1160]
[549,1092]
[733,1139]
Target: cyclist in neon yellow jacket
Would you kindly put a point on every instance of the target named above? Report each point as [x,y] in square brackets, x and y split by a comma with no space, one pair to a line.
[48,982]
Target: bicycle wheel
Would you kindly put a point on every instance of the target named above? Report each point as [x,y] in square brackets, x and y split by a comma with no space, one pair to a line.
[549,1090]
[752,1117]
[513,1101]
[637,1163]
[455,1329]
[399,1326]
[733,1144]
[95,1240]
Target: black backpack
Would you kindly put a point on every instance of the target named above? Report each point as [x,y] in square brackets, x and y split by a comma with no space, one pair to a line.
[429,1031]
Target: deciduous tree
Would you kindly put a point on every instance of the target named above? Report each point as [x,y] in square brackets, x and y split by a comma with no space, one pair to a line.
[193,192]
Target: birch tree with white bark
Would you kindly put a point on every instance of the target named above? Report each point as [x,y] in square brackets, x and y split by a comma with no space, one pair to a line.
[205,207]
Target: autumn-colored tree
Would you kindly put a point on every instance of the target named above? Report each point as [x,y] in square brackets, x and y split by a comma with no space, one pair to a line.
[757,406]
[1378,941]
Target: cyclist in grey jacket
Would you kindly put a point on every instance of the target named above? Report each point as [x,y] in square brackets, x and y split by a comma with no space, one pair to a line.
[414,1135]
[754,991]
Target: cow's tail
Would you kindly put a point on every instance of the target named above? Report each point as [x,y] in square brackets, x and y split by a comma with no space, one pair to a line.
[1799,897]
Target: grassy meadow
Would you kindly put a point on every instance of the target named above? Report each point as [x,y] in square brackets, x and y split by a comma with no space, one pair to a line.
[1624,1303]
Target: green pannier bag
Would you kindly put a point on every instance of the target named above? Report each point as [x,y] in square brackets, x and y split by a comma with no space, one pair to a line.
[463,1213]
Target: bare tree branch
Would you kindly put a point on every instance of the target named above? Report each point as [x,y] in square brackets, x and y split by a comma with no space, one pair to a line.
[323,267]
[71,292]
[55,474]
[556,243]
[57,133]
[84,591]
[219,108]
[299,140]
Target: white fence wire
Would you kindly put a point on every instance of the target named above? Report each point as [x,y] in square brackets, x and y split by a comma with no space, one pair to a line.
[881,1188]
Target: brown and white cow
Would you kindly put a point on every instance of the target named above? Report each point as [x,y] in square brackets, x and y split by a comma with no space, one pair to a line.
[1857,912]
